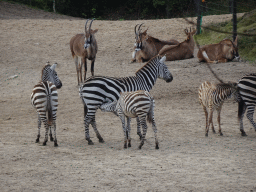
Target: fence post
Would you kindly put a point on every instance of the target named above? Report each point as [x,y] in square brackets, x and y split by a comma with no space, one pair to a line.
[234,20]
[199,17]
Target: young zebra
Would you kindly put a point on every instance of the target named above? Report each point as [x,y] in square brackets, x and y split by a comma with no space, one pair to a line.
[212,96]
[44,98]
[97,90]
[247,90]
[130,105]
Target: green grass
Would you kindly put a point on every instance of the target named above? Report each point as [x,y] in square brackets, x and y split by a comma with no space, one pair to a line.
[246,44]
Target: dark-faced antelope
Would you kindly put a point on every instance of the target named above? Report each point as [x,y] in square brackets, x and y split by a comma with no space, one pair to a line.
[84,46]
[146,46]
[221,52]
[183,50]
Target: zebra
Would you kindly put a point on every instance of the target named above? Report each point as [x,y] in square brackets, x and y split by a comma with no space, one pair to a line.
[247,90]
[44,98]
[212,96]
[99,89]
[130,105]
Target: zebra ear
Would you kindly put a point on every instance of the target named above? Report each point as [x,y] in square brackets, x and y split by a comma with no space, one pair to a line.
[53,66]
[162,60]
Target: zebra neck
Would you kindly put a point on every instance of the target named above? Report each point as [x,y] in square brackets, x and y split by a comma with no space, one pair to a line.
[147,79]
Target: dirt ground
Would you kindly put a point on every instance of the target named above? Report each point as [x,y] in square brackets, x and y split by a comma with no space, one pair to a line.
[186,160]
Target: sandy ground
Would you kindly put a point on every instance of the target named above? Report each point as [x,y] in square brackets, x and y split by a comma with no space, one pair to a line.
[186,160]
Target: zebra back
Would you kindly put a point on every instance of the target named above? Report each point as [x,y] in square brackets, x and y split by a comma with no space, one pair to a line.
[44,98]
[211,94]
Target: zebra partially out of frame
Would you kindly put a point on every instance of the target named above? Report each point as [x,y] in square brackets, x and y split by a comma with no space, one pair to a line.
[212,96]
[130,105]
[44,98]
[99,89]
[247,90]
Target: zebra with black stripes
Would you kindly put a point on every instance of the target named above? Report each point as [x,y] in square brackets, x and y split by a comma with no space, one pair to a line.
[247,90]
[212,96]
[99,89]
[139,104]
[44,98]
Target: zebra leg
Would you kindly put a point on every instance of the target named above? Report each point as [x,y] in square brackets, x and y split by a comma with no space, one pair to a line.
[241,111]
[209,122]
[218,119]
[138,128]
[87,121]
[54,132]
[206,121]
[93,122]
[39,126]
[250,112]
[144,127]
[46,132]
[128,131]
[122,117]
[50,134]
[155,132]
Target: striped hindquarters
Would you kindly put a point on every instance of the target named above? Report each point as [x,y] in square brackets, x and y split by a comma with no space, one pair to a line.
[44,98]
[136,104]
[247,89]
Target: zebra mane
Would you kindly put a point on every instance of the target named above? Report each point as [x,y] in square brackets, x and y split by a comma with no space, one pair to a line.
[226,85]
[157,57]
[47,65]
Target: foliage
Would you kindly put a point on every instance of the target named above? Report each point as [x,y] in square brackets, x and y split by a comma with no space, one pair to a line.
[246,44]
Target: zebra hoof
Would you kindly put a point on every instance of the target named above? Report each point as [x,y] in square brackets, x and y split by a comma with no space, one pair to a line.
[125,146]
[206,134]
[157,147]
[90,142]
[129,145]
[51,138]
[221,134]
[243,134]
[101,141]
[44,143]
[37,140]
[56,145]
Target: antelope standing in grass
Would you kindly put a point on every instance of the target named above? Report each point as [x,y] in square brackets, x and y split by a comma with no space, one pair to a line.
[84,46]
[137,104]
[183,50]
[221,52]
[212,96]
[146,46]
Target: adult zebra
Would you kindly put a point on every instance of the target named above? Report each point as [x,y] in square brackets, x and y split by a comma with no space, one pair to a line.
[44,98]
[247,90]
[99,89]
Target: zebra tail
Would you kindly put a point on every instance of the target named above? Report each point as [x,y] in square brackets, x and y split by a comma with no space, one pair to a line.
[151,114]
[49,111]
[240,108]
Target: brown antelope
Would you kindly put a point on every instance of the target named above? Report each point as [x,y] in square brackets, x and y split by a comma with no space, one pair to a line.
[221,52]
[146,46]
[84,46]
[183,50]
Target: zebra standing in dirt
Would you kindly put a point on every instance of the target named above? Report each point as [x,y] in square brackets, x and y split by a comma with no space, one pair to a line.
[98,89]
[130,105]
[212,96]
[44,98]
[247,90]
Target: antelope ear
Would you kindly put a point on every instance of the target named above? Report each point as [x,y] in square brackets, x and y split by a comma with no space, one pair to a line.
[235,42]
[53,66]
[162,60]
[186,31]
[94,31]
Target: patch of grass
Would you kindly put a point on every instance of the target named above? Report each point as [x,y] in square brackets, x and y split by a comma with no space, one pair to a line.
[246,44]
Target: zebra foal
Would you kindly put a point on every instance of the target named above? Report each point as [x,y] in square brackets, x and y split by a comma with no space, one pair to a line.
[212,96]
[44,98]
[139,104]
[247,90]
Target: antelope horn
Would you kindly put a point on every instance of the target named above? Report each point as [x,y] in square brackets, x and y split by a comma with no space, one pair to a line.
[90,25]
[139,27]
[135,29]
[86,24]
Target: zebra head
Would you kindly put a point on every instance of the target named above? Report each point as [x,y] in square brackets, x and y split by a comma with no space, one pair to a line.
[163,72]
[49,74]
[109,107]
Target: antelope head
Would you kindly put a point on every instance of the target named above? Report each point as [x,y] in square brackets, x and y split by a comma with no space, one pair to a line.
[89,35]
[190,33]
[139,37]
[235,50]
